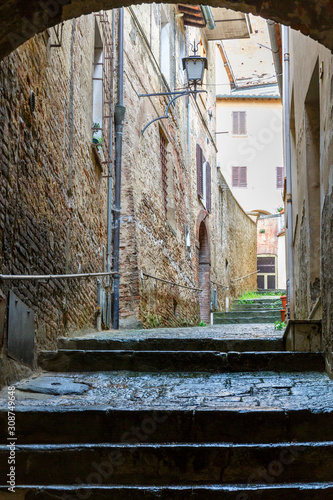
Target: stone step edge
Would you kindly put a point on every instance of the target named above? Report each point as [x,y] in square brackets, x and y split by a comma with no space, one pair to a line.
[205,487]
[302,445]
[148,351]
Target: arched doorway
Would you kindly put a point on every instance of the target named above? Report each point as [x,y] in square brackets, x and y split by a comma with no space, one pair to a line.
[20,21]
[204,273]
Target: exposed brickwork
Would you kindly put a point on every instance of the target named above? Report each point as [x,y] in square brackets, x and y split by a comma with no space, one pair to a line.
[267,240]
[52,195]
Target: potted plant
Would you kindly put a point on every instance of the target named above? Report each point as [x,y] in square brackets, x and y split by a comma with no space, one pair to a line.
[284,301]
[96,127]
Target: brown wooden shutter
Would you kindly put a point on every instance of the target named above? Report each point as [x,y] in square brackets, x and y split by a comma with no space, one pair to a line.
[208,188]
[235,123]
[235,176]
[279,177]
[242,176]
[199,171]
[242,123]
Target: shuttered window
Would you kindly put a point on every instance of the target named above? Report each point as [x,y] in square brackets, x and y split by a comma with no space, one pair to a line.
[279,177]
[239,176]
[239,122]
[208,188]
[203,179]
[199,171]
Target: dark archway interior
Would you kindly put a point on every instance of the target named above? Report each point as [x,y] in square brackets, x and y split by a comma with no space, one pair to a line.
[20,21]
[204,273]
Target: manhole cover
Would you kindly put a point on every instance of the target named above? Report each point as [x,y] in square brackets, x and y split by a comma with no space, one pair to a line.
[53,385]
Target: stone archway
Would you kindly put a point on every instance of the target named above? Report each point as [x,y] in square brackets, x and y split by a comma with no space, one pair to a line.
[204,272]
[20,21]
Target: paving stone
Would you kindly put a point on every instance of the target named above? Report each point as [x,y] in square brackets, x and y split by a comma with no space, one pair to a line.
[53,385]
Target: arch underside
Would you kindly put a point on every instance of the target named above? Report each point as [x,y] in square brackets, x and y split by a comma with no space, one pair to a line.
[20,21]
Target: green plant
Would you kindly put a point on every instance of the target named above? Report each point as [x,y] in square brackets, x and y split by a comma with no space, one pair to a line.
[202,323]
[152,321]
[279,325]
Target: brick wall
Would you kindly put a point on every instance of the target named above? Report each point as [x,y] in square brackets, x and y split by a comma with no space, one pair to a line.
[52,194]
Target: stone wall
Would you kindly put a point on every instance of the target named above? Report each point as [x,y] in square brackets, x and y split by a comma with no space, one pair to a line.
[52,194]
[312,175]
[154,236]
[237,251]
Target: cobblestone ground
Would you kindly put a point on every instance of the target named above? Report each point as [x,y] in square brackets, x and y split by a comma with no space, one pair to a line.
[121,390]
[124,390]
[239,331]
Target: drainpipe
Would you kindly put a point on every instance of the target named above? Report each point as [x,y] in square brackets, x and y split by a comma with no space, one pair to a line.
[208,16]
[286,110]
[119,122]
[276,53]
[109,200]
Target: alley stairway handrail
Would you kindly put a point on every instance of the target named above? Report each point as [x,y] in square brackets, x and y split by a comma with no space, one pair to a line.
[171,282]
[54,276]
[246,275]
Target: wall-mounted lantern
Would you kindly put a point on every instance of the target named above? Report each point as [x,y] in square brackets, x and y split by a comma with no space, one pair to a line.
[194,66]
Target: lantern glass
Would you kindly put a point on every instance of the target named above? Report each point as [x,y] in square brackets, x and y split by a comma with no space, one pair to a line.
[194,66]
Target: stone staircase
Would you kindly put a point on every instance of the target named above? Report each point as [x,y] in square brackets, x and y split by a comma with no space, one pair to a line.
[210,413]
[258,310]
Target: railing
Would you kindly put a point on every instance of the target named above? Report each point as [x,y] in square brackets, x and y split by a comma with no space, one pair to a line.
[39,277]
[165,303]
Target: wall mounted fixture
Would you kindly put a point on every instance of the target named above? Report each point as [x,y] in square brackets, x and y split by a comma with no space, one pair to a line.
[194,66]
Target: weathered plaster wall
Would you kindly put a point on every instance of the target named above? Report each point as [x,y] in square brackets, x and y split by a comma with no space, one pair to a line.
[311,87]
[52,195]
[237,252]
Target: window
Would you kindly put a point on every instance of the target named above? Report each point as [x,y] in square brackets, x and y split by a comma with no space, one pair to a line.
[181,55]
[165,47]
[203,179]
[239,122]
[239,177]
[279,177]
[98,84]
[164,165]
[266,278]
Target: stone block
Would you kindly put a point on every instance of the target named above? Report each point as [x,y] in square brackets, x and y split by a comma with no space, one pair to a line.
[303,335]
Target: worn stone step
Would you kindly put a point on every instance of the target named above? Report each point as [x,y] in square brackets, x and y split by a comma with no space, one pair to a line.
[257,307]
[245,320]
[179,361]
[259,301]
[253,315]
[272,491]
[174,344]
[74,425]
[165,464]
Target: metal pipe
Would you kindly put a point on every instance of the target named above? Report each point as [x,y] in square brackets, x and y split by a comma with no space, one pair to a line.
[276,53]
[172,283]
[246,276]
[53,276]
[119,122]
[287,152]
[208,16]
[109,200]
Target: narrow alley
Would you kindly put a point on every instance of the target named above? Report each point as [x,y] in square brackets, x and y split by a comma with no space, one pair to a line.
[166,257]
